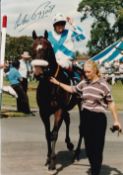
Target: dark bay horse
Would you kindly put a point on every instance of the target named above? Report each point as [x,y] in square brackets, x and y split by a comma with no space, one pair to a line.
[50,98]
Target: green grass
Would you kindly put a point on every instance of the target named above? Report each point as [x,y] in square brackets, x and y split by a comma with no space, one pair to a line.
[117,91]
[8,100]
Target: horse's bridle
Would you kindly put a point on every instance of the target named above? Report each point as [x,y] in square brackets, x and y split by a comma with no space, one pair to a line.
[57,71]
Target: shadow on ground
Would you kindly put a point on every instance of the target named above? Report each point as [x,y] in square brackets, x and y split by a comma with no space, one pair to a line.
[108,170]
[64,158]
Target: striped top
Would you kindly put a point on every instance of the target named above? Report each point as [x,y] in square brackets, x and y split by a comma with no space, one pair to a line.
[95,95]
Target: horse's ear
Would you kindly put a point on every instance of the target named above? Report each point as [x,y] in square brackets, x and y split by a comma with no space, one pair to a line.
[34,35]
[46,34]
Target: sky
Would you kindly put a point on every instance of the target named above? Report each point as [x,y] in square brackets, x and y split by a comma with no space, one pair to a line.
[26,16]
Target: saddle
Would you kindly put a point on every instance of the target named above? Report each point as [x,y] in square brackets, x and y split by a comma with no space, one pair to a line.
[75,74]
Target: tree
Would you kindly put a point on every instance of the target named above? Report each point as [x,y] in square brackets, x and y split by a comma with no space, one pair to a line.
[103,31]
[118,26]
[16,45]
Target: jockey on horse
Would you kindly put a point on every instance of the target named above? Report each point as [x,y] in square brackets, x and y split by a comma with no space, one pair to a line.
[62,41]
[53,54]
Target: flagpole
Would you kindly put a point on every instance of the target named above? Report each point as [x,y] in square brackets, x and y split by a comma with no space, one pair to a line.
[2,57]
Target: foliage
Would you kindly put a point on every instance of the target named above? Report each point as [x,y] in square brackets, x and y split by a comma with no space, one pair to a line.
[108,22]
[16,45]
[118,26]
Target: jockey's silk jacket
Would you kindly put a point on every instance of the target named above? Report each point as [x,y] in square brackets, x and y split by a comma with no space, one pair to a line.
[63,45]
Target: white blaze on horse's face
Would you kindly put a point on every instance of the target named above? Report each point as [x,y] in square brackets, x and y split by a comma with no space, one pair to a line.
[39,47]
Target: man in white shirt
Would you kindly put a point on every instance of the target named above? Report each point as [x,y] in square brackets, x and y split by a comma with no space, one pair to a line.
[25,69]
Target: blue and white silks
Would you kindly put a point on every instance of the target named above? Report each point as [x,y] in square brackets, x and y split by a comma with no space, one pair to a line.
[63,45]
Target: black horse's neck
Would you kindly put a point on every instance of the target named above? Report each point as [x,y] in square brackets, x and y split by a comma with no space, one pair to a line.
[52,61]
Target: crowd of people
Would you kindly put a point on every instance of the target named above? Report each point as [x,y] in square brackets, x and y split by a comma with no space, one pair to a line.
[112,71]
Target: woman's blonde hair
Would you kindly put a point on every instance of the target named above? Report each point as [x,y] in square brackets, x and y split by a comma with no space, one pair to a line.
[94,66]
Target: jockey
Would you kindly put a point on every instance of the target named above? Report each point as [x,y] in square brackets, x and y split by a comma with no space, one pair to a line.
[62,40]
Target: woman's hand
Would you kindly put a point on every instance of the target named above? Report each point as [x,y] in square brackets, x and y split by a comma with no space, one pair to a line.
[66,87]
[54,81]
[116,127]
[117,124]
[115,116]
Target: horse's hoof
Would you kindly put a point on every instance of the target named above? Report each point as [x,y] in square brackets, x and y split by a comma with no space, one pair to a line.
[51,167]
[76,155]
[47,162]
[52,164]
[70,145]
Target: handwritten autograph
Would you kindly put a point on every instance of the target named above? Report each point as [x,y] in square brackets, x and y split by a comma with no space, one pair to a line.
[42,11]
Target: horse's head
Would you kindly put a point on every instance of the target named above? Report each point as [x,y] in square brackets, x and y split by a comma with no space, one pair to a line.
[44,57]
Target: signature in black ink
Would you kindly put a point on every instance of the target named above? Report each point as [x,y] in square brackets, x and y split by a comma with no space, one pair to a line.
[44,10]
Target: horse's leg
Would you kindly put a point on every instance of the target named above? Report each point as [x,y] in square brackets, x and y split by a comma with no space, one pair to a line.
[46,121]
[57,124]
[66,118]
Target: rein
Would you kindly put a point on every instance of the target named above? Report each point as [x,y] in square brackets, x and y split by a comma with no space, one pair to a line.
[57,71]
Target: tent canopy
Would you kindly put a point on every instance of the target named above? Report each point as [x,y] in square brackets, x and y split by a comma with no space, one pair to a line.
[111,53]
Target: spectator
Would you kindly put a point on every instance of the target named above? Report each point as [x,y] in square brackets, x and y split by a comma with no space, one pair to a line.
[121,71]
[102,70]
[25,69]
[15,79]
[107,66]
[121,67]
[116,65]
[96,97]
